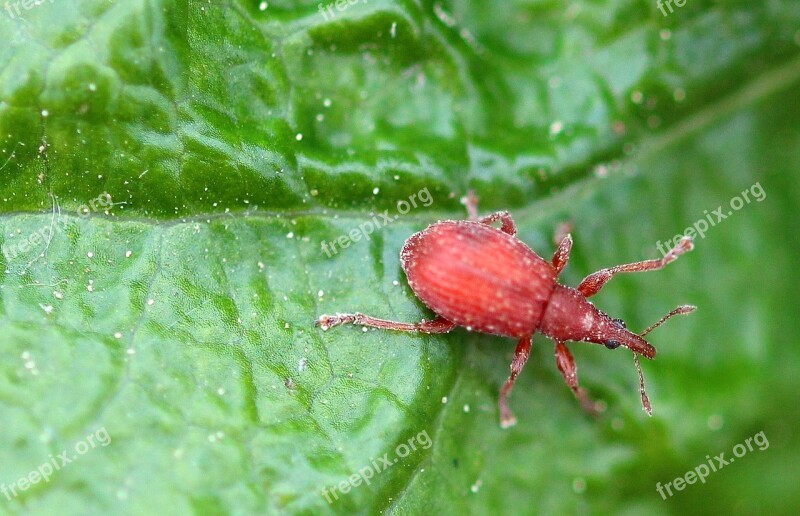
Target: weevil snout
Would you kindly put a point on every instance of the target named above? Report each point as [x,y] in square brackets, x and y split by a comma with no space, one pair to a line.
[570,316]
[616,336]
[614,344]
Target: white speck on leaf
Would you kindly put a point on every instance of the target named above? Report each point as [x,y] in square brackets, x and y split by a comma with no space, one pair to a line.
[476,486]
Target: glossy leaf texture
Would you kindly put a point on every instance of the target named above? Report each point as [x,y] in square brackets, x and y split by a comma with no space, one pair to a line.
[171,171]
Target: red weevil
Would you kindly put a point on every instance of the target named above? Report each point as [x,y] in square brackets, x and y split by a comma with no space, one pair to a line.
[474,275]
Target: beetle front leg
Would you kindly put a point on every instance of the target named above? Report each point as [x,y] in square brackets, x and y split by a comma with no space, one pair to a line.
[566,364]
[521,355]
[592,283]
[437,325]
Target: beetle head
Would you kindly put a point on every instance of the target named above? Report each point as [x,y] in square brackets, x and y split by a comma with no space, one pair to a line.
[570,316]
[613,333]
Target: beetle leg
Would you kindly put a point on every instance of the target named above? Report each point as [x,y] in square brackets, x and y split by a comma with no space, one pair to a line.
[437,325]
[508,225]
[561,256]
[592,283]
[521,355]
[471,202]
[562,230]
[566,364]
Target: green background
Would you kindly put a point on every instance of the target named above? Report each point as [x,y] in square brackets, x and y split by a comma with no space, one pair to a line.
[235,137]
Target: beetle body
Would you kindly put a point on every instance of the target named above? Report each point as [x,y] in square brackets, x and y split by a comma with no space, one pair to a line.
[478,277]
[474,275]
[486,280]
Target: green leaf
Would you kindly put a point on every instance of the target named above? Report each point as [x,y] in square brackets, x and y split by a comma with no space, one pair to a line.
[170,173]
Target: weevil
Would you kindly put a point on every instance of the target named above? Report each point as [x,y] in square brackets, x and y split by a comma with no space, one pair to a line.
[474,275]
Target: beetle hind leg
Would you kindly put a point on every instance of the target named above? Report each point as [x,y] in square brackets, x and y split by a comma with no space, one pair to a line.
[566,364]
[521,355]
[437,325]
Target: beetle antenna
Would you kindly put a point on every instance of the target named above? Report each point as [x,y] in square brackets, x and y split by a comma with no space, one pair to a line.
[683,309]
[645,400]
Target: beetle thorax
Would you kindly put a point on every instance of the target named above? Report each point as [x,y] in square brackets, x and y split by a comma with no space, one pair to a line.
[570,316]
